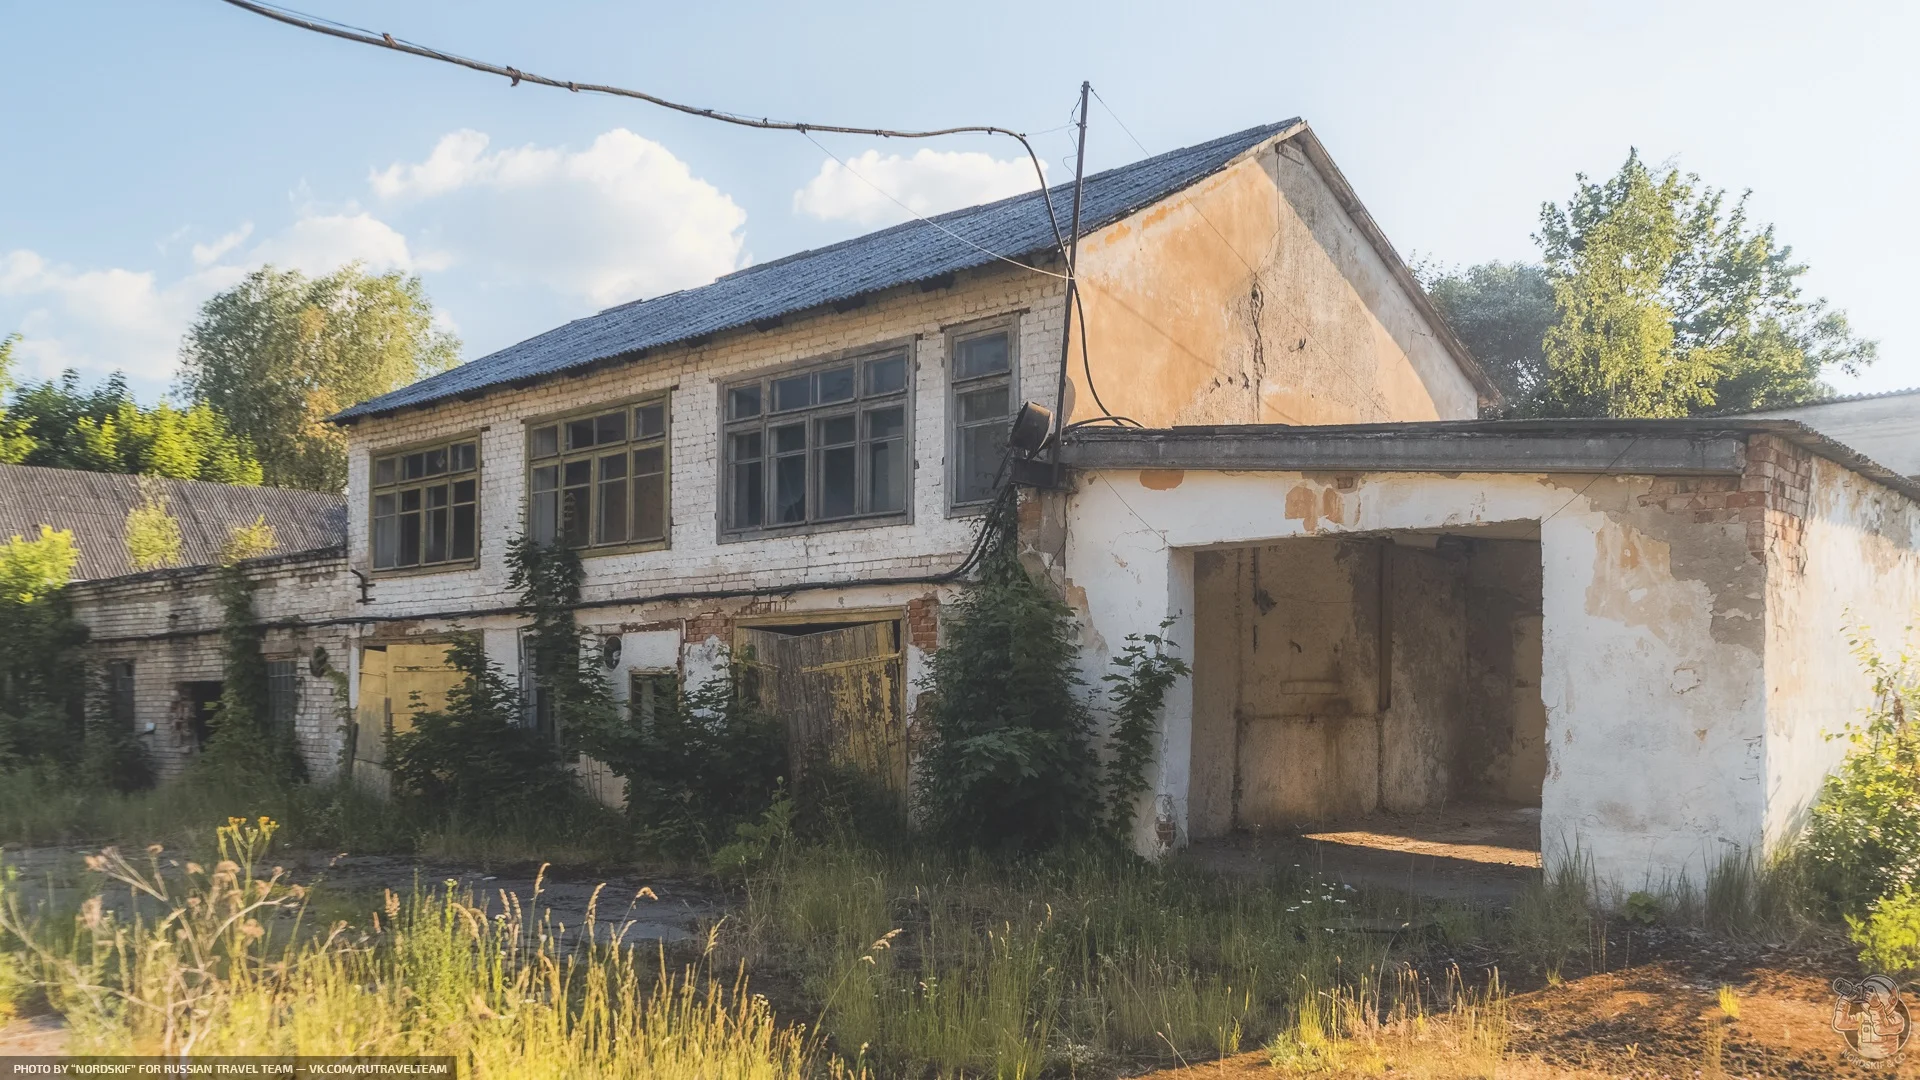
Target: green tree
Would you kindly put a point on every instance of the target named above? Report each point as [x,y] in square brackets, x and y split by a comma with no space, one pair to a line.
[1656,296]
[1671,305]
[103,429]
[279,353]
[1502,312]
[41,700]
[15,442]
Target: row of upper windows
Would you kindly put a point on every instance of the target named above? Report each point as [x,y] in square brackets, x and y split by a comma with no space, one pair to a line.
[817,444]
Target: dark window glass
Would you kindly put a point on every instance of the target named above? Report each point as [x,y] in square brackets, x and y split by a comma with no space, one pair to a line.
[610,515]
[611,428]
[386,533]
[436,524]
[437,461]
[989,404]
[283,692]
[790,489]
[465,537]
[579,433]
[886,461]
[743,402]
[409,528]
[416,466]
[835,385]
[576,495]
[649,421]
[838,466]
[983,355]
[546,441]
[887,376]
[384,472]
[794,392]
[749,493]
[982,444]
[543,516]
[464,457]
[120,688]
[649,494]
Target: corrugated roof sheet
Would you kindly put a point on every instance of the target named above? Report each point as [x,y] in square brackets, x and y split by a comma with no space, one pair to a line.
[93,506]
[911,252]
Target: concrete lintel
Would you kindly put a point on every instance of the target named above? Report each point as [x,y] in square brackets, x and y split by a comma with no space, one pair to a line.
[1311,450]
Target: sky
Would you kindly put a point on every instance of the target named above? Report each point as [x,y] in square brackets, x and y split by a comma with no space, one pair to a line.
[152,154]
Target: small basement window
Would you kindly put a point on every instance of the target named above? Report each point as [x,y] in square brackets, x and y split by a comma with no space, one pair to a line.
[426,509]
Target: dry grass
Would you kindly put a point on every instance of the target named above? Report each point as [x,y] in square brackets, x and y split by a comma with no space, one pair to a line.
[215,961]
[1413,1029]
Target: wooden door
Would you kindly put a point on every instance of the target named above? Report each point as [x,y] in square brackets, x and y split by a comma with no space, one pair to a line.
[839,692]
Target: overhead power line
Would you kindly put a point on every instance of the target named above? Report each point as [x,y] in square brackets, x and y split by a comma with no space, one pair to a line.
[387,41]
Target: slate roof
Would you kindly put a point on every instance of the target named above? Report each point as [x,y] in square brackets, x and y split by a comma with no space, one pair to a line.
[904,254]
[93,506]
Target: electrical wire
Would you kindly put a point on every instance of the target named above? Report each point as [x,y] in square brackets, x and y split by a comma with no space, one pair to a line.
[363,36]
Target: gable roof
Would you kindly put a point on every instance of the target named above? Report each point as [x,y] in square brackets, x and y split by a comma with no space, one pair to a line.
[914,251]
[93,506]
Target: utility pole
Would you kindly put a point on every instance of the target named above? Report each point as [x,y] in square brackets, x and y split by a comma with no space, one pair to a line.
[1073,259]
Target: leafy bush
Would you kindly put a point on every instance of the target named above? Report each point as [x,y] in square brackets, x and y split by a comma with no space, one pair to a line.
[707,764]
[42,703]
[245,747]
[1889,936]
[1011,765]
[1862,840]
[474,759]
[1147,669]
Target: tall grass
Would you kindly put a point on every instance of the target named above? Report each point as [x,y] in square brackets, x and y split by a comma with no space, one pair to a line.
[950,969]
[1402,1026]
[215,961]
[41,808]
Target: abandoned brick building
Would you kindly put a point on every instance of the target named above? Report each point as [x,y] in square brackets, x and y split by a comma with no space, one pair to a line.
[1626,635]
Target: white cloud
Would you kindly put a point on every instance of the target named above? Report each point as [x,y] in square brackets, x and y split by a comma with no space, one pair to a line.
[319,243]
[930,182]
[101,320]
[622,219]
[206,254]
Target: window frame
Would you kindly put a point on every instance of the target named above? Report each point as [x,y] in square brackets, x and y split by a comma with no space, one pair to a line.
[558,420]
[908,349]
[399,485]
[283,669]
[954,336]
[123,692]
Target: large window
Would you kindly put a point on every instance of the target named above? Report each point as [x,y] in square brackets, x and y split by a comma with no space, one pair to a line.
[599,479]
[980,366]
[426,505]
[822,444]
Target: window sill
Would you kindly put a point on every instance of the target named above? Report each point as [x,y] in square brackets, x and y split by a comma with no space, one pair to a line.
[623,549]
[419,571]
[815,528]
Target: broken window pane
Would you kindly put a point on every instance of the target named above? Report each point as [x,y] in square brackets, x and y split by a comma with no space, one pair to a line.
[887,376]
[984,355]
[437,461]
[546,441]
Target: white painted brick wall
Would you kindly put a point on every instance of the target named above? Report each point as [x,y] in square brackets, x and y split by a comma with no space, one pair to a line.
[696,559]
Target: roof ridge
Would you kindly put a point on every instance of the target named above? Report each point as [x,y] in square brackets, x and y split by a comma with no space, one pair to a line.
[1835,399]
